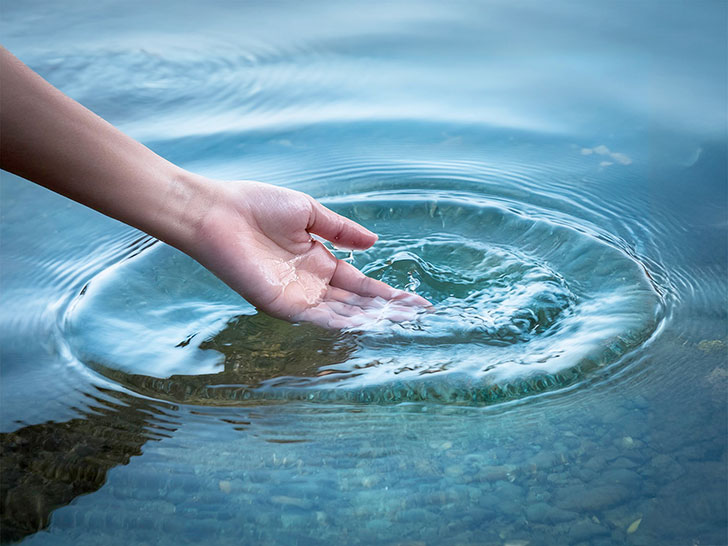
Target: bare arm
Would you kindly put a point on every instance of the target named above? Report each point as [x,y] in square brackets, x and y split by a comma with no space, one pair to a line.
[52,140]
[254,236]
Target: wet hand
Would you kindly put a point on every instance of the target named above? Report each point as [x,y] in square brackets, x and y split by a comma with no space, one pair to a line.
[258,239]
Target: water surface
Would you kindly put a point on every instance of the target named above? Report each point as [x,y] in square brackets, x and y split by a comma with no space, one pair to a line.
[552,178]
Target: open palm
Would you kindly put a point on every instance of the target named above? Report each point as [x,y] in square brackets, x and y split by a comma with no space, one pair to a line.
[257,238]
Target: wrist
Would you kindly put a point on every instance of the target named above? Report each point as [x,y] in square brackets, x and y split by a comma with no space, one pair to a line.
[186,203]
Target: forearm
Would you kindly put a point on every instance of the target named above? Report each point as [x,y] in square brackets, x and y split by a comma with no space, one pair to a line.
[52,140]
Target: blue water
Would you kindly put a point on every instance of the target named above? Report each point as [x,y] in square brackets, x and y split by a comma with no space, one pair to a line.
[553,178]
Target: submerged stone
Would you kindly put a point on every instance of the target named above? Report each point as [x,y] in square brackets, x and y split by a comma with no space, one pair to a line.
[584,497]
[586,530]
[542,512]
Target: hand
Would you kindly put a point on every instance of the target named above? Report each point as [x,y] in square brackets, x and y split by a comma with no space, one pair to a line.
[257,239]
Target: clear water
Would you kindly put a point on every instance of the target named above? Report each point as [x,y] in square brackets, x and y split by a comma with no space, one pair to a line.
[552,177]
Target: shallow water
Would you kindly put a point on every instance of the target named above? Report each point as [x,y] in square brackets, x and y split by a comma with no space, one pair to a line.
[553,180]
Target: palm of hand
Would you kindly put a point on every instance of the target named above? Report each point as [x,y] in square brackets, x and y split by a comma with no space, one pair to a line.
[258,240]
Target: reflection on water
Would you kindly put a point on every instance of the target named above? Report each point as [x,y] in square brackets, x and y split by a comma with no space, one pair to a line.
[551,175]
[48,465]
[256,349]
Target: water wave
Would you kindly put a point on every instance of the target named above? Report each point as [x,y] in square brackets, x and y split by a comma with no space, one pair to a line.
[527,299]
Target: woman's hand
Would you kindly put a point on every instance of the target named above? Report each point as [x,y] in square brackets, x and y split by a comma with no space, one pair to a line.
[257,239]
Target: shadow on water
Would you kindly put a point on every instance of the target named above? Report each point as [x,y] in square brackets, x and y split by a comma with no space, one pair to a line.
[46,466]
[257,349]
[267,361]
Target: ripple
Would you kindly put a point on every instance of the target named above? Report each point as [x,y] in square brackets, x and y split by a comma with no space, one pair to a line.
[160,89]
[489,294]
[180,87]
[523,304]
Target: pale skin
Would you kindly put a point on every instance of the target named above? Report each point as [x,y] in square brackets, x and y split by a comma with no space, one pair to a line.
[256,237]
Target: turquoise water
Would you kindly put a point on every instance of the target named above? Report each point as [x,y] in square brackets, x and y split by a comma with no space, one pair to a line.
[552,178]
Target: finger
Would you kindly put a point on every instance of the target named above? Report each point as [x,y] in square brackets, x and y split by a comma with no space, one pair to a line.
[344,309]
[374,309]
[338,315]
[395,312]
[349,278]
[350,298]
[328,317]
[410,298]
[371,317]
[344,233]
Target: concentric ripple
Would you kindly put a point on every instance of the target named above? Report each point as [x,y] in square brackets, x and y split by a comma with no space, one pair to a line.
[483,293]
[523,304]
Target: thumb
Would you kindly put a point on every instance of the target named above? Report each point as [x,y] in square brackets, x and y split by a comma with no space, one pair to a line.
[344,233]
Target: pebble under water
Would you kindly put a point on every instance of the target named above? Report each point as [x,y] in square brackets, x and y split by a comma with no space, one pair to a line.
[551,178]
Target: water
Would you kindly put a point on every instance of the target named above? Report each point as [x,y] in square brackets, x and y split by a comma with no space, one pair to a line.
[552,179]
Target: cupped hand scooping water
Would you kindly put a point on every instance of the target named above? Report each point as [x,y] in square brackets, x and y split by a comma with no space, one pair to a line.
[256,237]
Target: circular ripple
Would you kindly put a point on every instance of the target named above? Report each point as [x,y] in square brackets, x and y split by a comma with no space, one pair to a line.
[483,293]
[523,304]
